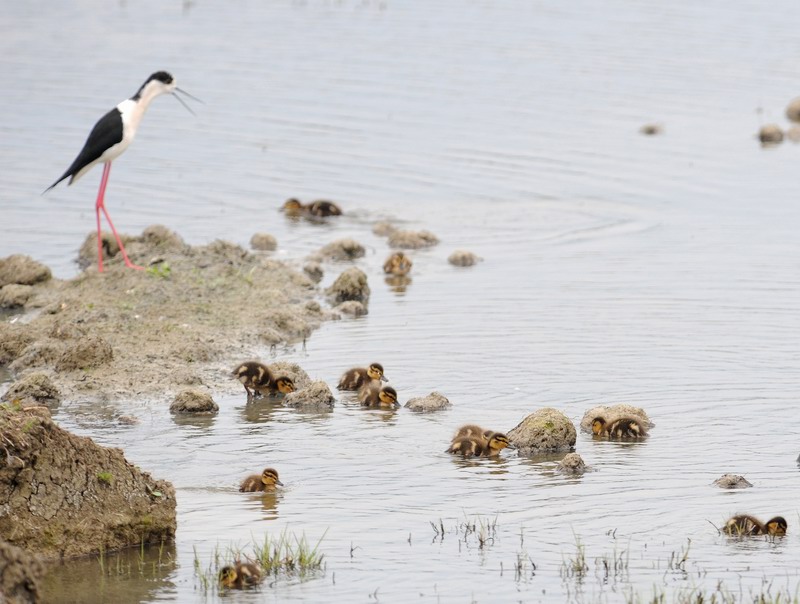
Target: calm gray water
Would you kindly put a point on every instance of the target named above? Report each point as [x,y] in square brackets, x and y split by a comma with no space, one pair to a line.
[659,271]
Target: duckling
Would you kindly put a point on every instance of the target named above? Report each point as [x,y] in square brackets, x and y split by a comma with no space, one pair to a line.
[320,208]
[375,395]
[257,378]
[472,430]
[355,378]
[397,264]
[266,481]
[477,446]
[619,427]
[240,575]
[748,525]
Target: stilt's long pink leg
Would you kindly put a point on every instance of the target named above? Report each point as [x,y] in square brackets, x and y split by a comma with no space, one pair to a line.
[102,206]
[98,205]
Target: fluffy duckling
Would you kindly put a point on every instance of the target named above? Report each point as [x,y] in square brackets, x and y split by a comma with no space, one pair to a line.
[748,525]
[355,378]
[257,378]
[472,430]
[619,427]
[239,575]
[477,446]
[266,481]
[320,208]
[375,395]
[397,264]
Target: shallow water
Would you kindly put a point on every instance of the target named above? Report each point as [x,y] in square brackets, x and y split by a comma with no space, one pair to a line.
[659,271]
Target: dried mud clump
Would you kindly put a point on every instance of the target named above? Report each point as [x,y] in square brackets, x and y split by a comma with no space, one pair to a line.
[435,401]
[770,134]
[608,413]
[263,242]
[732,481]
[463,258]
[793,110]
[383,228]
[194,402]
[543,431]
[316,396]
[292,370]
[13,340]
[350,285]
[15,295]
[351,308]
[34,389]
[85,353]
[572,464]
[63,495]
[20,573]
[651,129]
[314,271]
[412,240]
[342,249]
[22,270]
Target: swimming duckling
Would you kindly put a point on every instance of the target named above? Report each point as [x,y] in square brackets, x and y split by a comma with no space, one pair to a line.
[748,525]
[257,378]
[397,264]
[472,430]
[475,446]
[240,575]
[355,378]
[619,427]
[375,395]
[266,481]
[320,208]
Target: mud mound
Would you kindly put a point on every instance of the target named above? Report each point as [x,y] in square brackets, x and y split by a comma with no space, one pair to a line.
[435,401]
[412,240]
[194,401]
[65,496]
[608,412]
[545,430]
[19,575]
[22,270]
[350,285]
[34,389]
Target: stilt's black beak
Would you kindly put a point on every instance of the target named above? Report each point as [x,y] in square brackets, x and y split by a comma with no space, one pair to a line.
[182,102]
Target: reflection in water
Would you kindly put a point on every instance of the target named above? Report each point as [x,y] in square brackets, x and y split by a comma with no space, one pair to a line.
[267,500]
[261,410]
[132,575]
[398,283]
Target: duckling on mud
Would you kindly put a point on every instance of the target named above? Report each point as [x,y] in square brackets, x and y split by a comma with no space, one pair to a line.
[239,575]
[745,525]
[257,378]
[265,481]
[318,209]
[375,395]
[623,427]
[477,446]
[397,264]
[355,378]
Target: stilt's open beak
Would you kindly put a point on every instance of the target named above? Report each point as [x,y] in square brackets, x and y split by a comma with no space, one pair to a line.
[182,102]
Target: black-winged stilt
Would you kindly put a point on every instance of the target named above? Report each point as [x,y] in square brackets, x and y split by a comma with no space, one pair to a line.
[111,135]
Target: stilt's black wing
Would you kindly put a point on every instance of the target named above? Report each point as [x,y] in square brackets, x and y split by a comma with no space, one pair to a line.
[106,133]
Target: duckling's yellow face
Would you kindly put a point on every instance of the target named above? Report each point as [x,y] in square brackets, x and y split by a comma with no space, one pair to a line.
[388,396]
[777,526]
[228,576]
[498,441]
[375,372]
[292,205]
[285,385]
[598,424]
[270,477]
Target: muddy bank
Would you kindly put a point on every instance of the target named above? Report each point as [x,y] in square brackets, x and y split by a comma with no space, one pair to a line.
[126,334]
[20,574]
[64,496]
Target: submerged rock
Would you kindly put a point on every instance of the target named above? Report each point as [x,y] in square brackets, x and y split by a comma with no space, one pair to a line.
[66,496]
[316,396]
[732,481]
[793,134]
[20,573]
[435,401]
[770,134]
[352,308]
[350,285]
[263,242]
[195,402]
[383,228]
[610,412]
[412,240]
[463,258]
[545,430]
[651,129]
[571,464]
[35,388]
[22,270]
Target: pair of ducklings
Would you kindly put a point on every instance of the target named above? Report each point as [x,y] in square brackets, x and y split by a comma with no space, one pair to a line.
[266,481]
[619,427]
[367,381]
[473,441]
[745,525]
[257,378]
[318,209]
[240,575]
[398,264]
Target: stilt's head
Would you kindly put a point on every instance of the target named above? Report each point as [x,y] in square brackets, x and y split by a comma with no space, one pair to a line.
[157,84]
